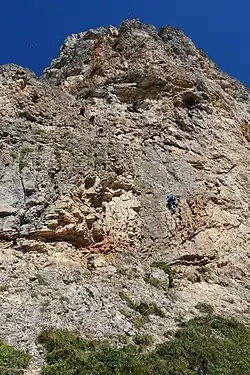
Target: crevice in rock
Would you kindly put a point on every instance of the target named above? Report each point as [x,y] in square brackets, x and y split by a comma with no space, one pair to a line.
[193,260]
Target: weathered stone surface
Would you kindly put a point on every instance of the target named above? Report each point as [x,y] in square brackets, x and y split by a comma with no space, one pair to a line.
[83,208]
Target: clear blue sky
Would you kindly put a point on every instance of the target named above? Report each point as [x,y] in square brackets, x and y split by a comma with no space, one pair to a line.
[33,30]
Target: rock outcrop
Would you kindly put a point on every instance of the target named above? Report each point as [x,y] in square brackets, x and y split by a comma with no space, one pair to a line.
[83,210]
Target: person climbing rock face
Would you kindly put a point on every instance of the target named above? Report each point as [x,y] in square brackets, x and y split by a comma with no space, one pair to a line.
[172,203]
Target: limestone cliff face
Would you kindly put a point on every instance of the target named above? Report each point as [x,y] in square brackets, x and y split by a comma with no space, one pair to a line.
[76,195]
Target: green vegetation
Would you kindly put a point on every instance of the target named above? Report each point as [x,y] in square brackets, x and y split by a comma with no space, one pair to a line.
[126,313]
[153,281]
[39,131]
[140,321]
[123,339]
[143,340]
[127,299]
[40,279]
[143,308]
[216,345]
[164,284]
[204,308]
[26,150]
[167,269]
[12,361]
[3,288]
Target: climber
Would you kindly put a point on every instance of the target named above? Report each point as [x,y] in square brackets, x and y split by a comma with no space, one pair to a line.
[172,202]
[92,119]
[82,111]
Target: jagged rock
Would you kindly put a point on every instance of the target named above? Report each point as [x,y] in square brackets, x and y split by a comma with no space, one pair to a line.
[75,193]
[100,262]
[159,274]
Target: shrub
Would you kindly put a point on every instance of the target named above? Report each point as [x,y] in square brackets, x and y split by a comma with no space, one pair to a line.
[26,150]
[163,266]
[143,308]
[143,340]
[12,361]
[140,321]
[216,345]
[204,308]
[39,131]
[153,281]
[3,288]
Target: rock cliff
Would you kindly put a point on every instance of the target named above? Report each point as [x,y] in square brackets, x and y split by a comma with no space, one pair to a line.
[83,197]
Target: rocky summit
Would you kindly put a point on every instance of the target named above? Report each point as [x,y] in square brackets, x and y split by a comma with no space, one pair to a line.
[90,151]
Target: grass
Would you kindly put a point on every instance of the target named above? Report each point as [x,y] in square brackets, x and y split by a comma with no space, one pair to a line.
[216,345]
[12,361]
[41,280]
[123,339]
[143,340]
[3,288]
[153,281]
[204,308]
[143,308]
[164,284]
[39,131]
[140,321]
[127,299]
[26,150]
[126,313]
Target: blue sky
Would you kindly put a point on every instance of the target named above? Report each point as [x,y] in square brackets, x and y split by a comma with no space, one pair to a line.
[33,30]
